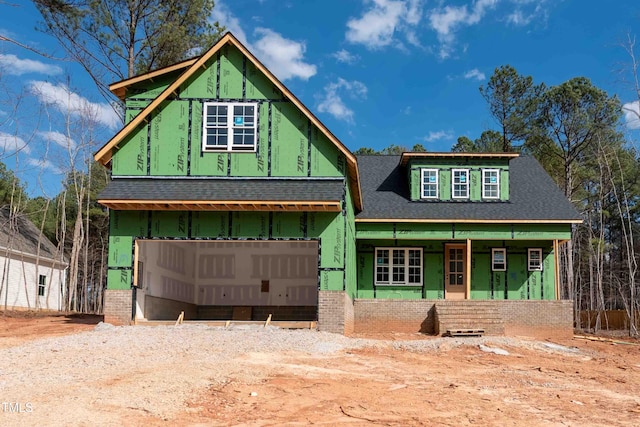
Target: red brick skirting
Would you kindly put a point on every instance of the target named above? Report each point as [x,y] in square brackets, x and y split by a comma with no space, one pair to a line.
[117,306]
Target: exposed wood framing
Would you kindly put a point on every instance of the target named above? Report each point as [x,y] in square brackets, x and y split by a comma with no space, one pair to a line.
[222,205]
[556,265]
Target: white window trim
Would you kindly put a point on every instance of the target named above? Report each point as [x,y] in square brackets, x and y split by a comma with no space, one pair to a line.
[437,184]
[453,184]
[493,261]
[406,267]
[230,126]
[42,286]
[484,194]
[534,268]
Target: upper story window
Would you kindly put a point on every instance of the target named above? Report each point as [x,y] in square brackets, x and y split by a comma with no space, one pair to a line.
[429,189]
[229,126]
[460,183]
[490,183]
[535,259]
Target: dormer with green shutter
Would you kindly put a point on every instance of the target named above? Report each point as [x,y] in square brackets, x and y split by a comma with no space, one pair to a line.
[458,177]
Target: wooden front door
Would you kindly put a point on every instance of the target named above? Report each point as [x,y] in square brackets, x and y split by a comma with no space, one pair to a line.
[455,283]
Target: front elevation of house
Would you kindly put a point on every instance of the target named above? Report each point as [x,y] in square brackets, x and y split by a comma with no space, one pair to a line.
[230,200]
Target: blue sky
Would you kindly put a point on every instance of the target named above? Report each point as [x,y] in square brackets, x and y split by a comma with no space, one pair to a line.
[376,72]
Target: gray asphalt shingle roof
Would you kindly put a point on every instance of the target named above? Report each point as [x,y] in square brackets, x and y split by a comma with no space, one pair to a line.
[223,189]
[20,234]
[533,195]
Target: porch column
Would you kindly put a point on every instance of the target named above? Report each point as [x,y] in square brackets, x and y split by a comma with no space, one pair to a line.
[468,268]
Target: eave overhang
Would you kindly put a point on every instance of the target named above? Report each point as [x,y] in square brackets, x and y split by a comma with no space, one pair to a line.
[407,156]
[469,221]
[223,205]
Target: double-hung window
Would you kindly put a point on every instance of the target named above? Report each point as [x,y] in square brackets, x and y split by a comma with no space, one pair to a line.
[429,188]
[229,126]
[398,267]
[534,259]
[460,183]
[42,284]
[490,183]
[498,259]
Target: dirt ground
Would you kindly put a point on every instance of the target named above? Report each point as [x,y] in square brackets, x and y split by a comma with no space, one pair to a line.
[574,383]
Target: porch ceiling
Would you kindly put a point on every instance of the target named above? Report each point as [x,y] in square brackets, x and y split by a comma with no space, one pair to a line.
[209,205]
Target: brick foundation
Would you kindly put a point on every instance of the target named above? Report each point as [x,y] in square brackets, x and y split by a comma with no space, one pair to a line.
[393,315]
[335,312]
[117,306]
[537,319]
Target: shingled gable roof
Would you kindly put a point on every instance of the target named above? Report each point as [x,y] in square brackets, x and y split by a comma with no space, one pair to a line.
[533,197]
[104,154]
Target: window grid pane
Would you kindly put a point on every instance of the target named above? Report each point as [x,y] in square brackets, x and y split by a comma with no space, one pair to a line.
[402,266]
[460,184]
[230,127]
[490,184]
[429,183]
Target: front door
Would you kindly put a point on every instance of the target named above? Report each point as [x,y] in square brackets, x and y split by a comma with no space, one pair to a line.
[455,284]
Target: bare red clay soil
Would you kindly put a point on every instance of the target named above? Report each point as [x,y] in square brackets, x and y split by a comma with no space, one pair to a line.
[594,384]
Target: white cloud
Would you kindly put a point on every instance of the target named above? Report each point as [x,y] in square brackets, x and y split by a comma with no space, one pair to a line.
[68,102]
[438,135]
[376,28]
[11,64]
[45,165]
[521,17]
[332,102]
[632,114]
[59,138]
[475,74]
[446,21]
[283,57]
[10,144]
[345,56]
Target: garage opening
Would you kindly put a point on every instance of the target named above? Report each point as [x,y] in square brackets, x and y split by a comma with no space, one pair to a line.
[226,280]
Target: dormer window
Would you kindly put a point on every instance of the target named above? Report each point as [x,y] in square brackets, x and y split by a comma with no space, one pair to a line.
[429,188]
[460,183]
[229,126]
[490,183]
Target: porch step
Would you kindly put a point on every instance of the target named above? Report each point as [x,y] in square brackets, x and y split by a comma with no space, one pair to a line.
[467,318]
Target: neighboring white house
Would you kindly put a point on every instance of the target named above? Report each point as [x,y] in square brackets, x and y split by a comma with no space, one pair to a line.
[32,270]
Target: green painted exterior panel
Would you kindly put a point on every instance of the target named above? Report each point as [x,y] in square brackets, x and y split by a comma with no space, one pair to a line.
[475,185]
[516,275]
[331,229]
[204,164]
[123,227]
[365,274]
[152,88]
[504,184]
[210,224]
[444,179]
[399,292]
[230,73]
[433,276]
[481,276]
[258,86]
[483,231]
[289,140]
[499,279]
[131,158]
[414,190]
[169,135]
[326,159]
[250,225]
[119,279]
[331,280]
[169,224]
[137,104]
[288,225]
[203,83]
[548,277]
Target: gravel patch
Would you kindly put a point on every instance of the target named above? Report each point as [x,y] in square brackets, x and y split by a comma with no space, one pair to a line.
[155,370]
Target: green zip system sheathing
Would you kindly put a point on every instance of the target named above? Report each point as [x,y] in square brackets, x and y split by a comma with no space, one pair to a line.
[474,166]
[327,228]
[170,144]
[515,283]
[456,231]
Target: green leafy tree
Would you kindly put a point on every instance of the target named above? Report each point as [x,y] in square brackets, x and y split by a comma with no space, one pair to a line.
[512,100]
[115,39]
[489,142]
